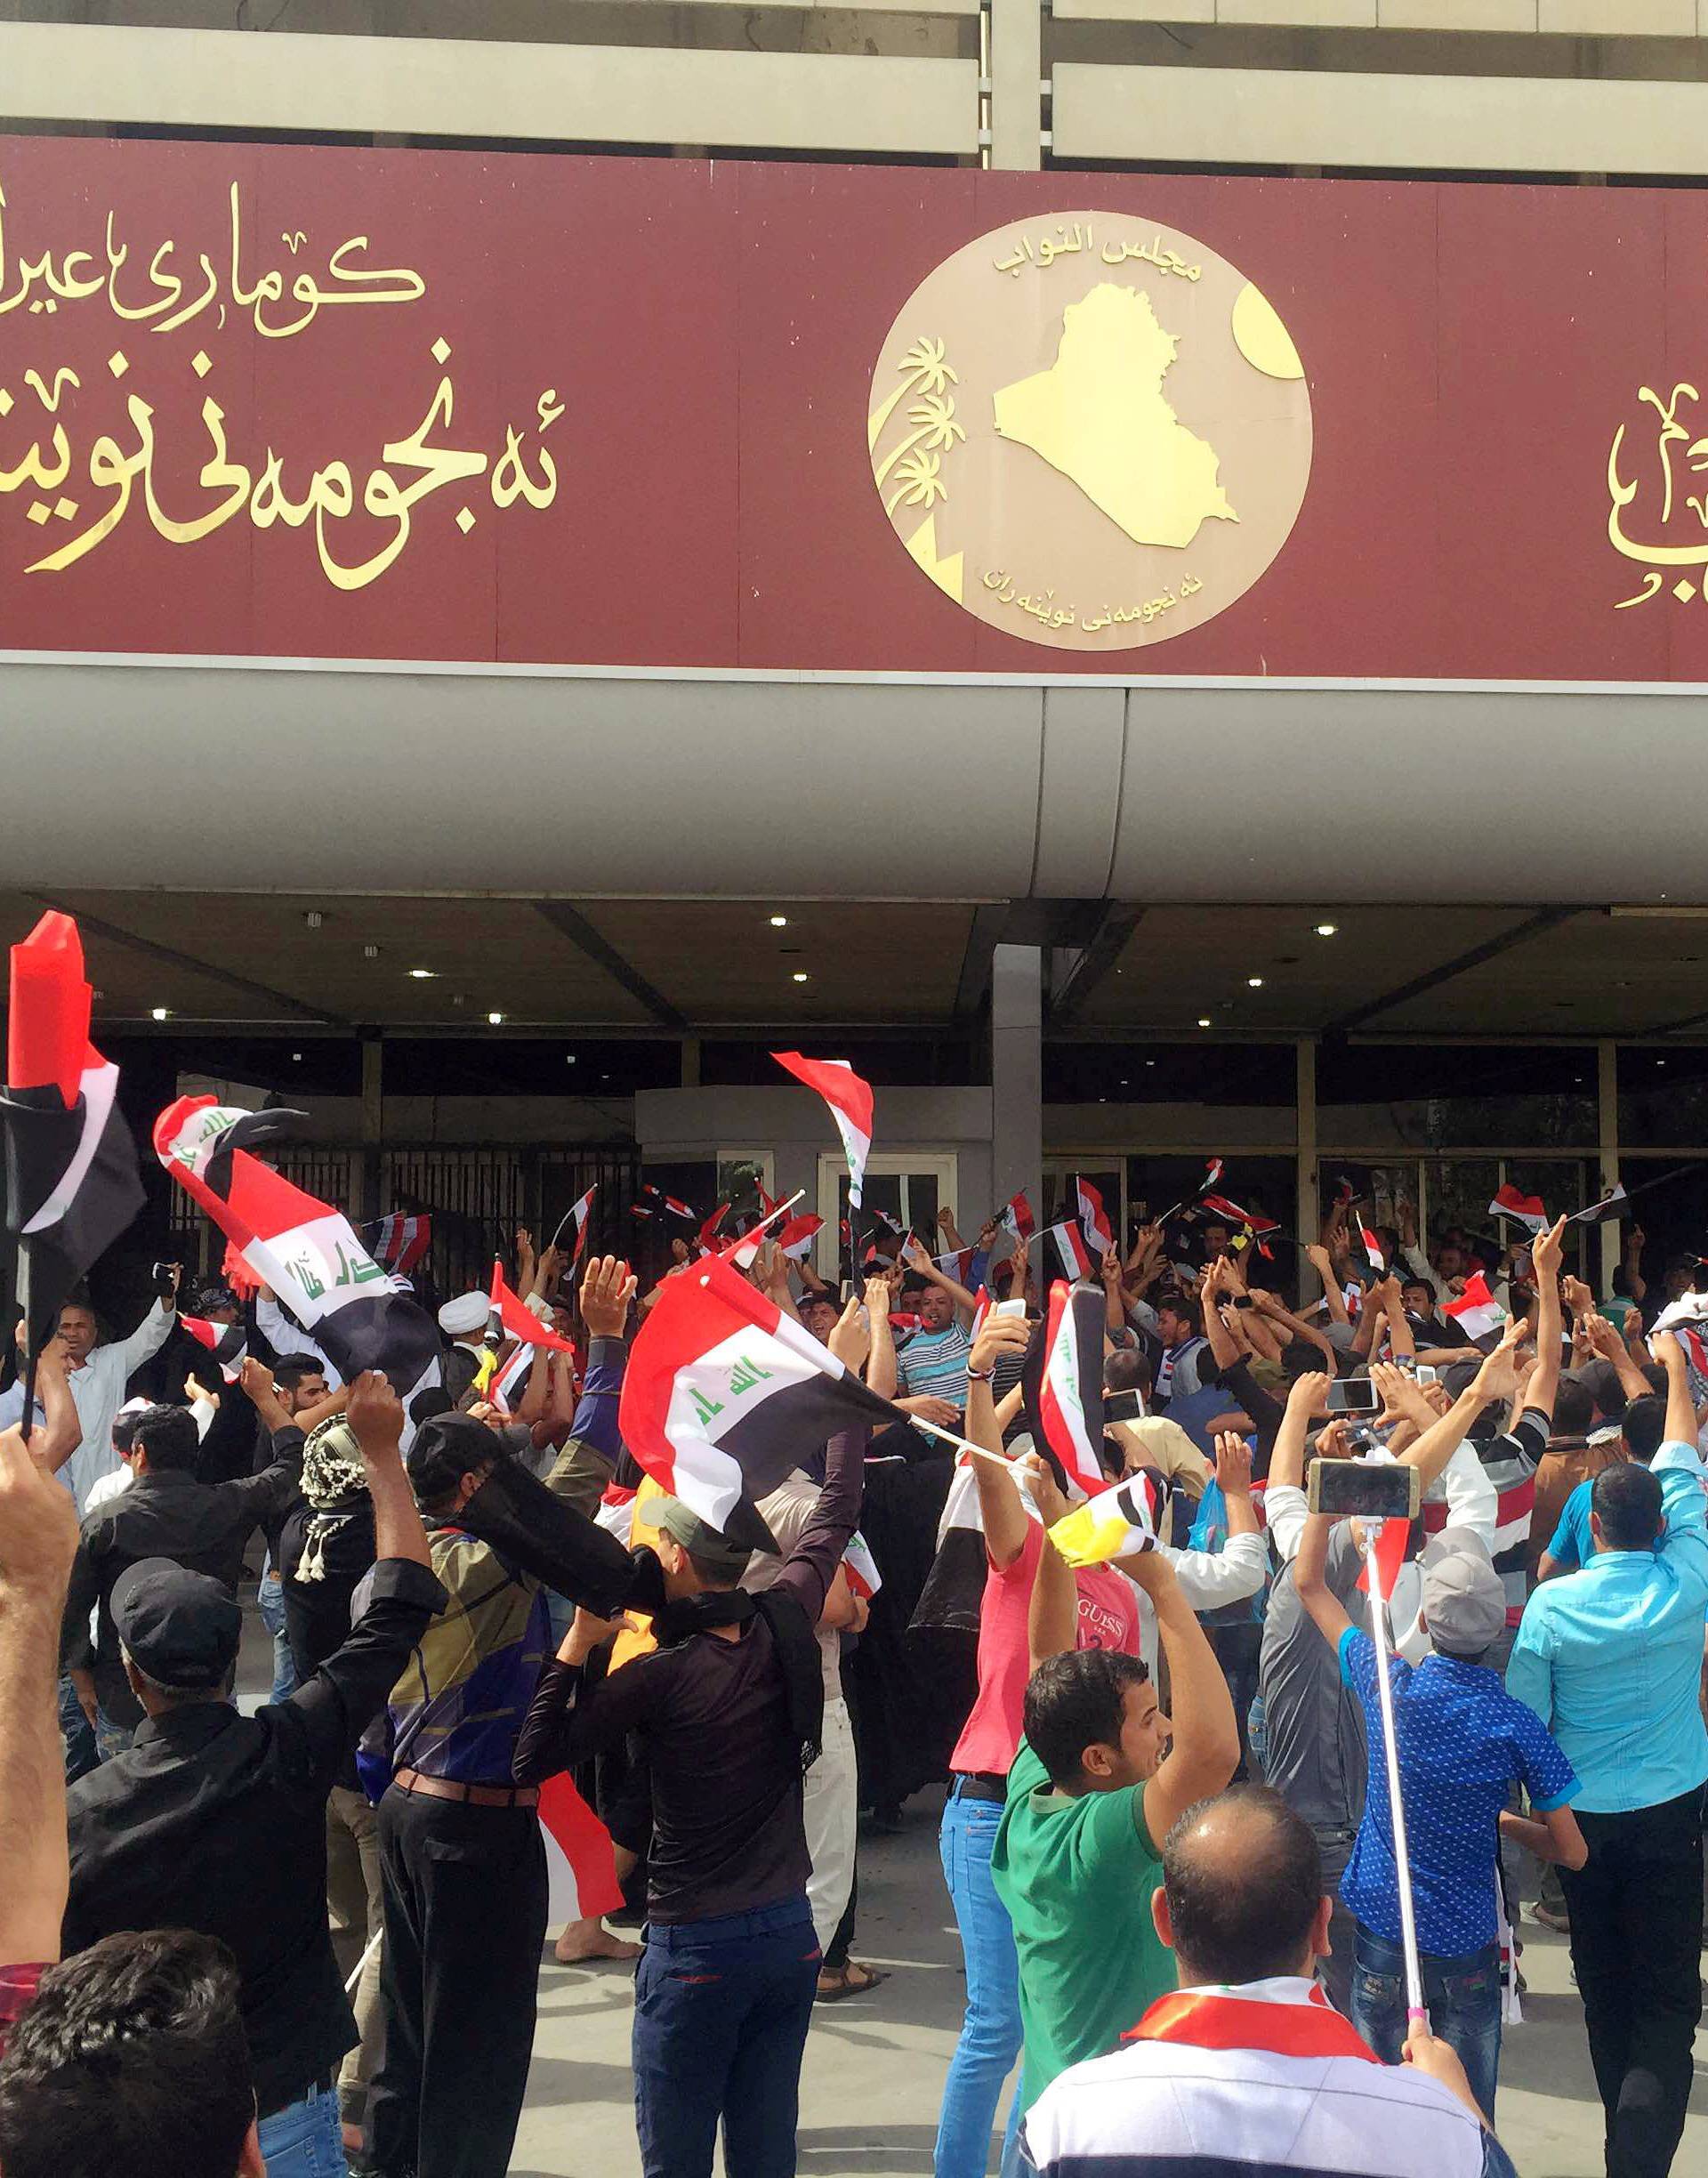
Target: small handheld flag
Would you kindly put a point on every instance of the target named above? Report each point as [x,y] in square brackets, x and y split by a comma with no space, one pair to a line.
[1526,1210]
[518,1321]
[1063,1377]
[1070,1245]
[1475,1310]
[849,1100]
[1017,1216]
[1118,1523]
[72,1184]
[1099,1237]
[579,1212]
[399,1241]
[228,1343]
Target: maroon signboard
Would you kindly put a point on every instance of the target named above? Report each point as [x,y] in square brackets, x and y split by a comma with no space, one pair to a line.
[263,401]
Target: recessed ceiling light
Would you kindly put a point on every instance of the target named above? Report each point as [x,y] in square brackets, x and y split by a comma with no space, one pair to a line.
[1203,1020]
[568,1058]
[159,1012]
[422,975]
[1253,982]
[494,1021]
[800,975]
[779,921]
[1328,930]
[298,1057]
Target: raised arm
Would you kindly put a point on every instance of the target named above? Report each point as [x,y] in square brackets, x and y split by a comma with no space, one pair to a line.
[1495,1380]
[1205,1751]
[1001,1514]
[881,1374]
[1309,1578]
[1271,1308]
[1053,1614]
[1547,1256]
[810,1567]
[154,1330]
[920,1260]
[1323,1264]
[1681,1427]
[38,1539]
[1285,1502]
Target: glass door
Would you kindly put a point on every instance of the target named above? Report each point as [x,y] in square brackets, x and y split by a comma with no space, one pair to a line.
[909,1190]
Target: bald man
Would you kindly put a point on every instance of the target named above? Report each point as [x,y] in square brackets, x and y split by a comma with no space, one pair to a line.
[1247,2064]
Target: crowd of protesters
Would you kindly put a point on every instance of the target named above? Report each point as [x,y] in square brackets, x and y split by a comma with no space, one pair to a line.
[311,1937]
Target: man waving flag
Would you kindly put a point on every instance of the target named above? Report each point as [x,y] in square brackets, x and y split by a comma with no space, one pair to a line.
[725,1395]
[305,1250]
[72,1184]
[849,1100]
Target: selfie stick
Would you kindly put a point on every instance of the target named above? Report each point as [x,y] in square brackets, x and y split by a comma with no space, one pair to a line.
[1417,2013]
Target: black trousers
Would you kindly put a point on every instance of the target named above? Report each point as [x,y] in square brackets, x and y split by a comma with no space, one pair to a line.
[1636,1909]
[464,1892]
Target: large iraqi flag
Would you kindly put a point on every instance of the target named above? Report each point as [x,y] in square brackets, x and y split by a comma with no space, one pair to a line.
[72,1184]
[725,1395]
[304,1249]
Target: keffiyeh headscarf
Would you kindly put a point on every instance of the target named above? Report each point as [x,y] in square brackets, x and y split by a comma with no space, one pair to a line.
[335,1482]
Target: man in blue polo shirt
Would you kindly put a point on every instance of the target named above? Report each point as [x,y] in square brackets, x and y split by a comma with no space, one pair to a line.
[1462,1741]
[1611,1660]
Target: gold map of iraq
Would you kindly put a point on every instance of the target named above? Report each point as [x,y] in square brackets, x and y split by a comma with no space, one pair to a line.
[1098,415]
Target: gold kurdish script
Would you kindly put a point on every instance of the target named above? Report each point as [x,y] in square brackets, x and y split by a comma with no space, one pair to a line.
[1641,470]
[1090,430]
[77,495]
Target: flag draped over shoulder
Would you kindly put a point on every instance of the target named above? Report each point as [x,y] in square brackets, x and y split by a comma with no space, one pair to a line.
[304,1249]
[1063,1380]
[849,1100]
[725,1395]
[72,1183]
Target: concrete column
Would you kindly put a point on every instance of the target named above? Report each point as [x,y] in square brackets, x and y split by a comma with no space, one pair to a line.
[373,1120]
[1017,1073]
[1016,66]
[1607,1082]
[1310,1213]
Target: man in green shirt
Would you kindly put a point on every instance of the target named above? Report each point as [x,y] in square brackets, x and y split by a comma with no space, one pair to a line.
[1095,1788]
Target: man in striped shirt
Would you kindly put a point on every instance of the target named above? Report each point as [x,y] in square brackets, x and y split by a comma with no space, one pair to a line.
[1246,2070]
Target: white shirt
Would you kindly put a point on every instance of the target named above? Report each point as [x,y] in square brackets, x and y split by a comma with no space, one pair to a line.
[97,1390]
[1208,1580]
[284,1337]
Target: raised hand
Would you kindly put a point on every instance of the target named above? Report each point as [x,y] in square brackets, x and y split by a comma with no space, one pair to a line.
[608,1287]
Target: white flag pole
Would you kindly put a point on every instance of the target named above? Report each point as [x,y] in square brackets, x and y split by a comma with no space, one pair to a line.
[373,1943]
[1414,2004]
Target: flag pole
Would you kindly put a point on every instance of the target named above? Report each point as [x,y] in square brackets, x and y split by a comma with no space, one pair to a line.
[1416,2010]
[373,1943]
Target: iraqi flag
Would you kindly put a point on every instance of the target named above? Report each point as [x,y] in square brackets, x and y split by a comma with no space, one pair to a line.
[980,1310]
[849,1100]
[1213,1174]
[519,1321]
[1118,1523]
[1063,1377]
[708,1231]
[578,1214]
[957,1264]
[1094,1220]
[1017,1217]
[1522,1209]
[1231,1213]
[580,1864]
[1070,1245]
[509,1380]
[304,1250]
[1476,1312]
[796,1237]
[228,1343]
[1372,1250]
[725,1395]
[671,1204]
[1605,1211]
[72,1183]
[399,1241]
[861,1568]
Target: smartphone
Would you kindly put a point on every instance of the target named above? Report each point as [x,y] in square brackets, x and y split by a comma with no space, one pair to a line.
[1424,1374]
[1009,1308]
[1364,1489]
[1122,1406]
[1349,1395]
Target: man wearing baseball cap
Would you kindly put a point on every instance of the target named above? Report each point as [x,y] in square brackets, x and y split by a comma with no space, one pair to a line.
[216,1821]
[1462,1741]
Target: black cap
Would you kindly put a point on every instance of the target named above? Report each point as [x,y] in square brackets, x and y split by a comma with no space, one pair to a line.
[444,1449]
[179,1628]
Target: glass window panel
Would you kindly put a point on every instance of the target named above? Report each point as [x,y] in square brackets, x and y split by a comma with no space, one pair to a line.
[1423,1096]
[1663,1098]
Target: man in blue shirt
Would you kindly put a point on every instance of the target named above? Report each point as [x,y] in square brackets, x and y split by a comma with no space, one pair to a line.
[1572,1545]
[1462,1741]
[1611,1660]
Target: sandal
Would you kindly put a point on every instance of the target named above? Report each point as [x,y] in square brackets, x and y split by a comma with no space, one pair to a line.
[850,1980]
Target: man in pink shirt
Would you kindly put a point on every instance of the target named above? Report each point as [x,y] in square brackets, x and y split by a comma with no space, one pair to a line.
[1110,1617]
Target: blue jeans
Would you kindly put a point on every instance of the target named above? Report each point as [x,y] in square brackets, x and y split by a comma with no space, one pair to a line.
[271,1596]
[78,1734]
[1463,1996]
[304,2139]
[721,2008]
[990,2033]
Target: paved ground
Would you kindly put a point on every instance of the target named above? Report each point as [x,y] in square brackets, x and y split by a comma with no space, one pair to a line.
[874,2067]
